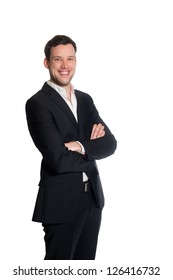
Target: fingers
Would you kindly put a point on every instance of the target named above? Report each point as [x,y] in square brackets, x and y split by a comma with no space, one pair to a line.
[93,133]
[73,146]
[97,131]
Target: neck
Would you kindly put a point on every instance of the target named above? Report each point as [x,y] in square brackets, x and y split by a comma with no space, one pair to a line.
[67,88]
[68,91]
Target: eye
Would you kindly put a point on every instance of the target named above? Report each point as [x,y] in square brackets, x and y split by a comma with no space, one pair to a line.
[71,58]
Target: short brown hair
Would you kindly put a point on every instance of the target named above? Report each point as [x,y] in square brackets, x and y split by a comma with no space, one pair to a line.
[58,40]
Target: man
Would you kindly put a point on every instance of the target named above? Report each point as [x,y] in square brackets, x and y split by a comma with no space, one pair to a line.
[68,131]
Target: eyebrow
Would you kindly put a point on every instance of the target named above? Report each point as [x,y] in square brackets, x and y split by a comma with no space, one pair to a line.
[58,56]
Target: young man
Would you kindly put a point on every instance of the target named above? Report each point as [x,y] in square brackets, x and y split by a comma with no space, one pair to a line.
[68,131]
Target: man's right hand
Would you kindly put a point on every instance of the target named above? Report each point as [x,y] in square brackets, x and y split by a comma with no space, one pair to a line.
[97,131]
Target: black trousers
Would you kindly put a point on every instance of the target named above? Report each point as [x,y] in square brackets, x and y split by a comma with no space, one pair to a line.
[76,240]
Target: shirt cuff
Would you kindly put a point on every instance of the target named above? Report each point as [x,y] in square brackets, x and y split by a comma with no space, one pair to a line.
[82,148]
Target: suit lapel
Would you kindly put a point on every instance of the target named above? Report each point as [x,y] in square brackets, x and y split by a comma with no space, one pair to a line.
[81,106]
[56,98]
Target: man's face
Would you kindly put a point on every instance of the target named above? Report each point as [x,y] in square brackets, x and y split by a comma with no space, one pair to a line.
[62,64]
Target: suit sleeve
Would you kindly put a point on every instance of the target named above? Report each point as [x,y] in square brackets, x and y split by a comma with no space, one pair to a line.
[101,147]
[49,142]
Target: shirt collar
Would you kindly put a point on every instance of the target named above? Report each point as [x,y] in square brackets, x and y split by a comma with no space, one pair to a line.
[60,90]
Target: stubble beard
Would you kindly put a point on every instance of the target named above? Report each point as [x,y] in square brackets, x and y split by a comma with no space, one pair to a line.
[59,82]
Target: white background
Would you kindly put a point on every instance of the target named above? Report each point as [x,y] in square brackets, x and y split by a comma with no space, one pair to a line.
[125,62]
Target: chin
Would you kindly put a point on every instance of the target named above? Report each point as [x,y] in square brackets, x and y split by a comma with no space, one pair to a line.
[61,83]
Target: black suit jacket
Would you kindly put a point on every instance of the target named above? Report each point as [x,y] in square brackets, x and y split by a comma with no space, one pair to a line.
[51,123]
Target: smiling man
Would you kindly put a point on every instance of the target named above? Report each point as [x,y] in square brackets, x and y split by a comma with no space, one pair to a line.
[61,63]
[70,135]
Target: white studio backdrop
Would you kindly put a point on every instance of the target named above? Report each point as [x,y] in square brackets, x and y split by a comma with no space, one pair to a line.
[125,62]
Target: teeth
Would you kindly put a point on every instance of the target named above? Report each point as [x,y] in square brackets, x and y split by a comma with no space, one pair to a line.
[64,73]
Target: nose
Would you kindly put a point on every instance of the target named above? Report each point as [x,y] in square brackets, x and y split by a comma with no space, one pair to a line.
[64,64]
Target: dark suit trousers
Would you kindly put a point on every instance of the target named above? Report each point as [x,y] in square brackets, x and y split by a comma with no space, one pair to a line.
[76,240]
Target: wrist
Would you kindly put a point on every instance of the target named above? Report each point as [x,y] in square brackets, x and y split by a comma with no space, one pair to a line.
[82,150]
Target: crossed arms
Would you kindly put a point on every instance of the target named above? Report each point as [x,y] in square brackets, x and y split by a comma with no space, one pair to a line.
[66,157]
[97,132]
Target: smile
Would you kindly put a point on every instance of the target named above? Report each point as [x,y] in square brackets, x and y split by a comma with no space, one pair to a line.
[64,72]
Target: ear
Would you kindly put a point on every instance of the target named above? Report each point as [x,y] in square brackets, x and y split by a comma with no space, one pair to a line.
[46,63]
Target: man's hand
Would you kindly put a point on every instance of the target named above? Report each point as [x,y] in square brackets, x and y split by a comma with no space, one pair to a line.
[73,146]
[97,131]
